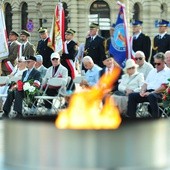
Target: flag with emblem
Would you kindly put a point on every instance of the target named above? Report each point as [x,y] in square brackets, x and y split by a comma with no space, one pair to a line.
[119,46]
[57,32]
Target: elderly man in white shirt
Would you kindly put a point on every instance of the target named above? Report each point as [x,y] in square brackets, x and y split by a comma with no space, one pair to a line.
[151,89]
[92,74]
[144,67]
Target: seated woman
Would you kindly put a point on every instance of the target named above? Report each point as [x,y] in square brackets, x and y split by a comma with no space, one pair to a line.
[130,82]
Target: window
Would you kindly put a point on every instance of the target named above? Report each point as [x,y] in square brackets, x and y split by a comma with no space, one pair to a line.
[164,9]
[101,8]
[136,12]
[8,17]
[24,16]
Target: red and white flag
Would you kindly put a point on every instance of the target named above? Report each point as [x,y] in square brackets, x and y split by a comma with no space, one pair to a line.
[3,36]
[56,37]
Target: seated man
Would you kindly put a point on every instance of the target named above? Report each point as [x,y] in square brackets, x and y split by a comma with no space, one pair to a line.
[39,65]
[17,72]
[56,70]
[110,65]
[151,89]
[144,67]
[15,94]
[92,74]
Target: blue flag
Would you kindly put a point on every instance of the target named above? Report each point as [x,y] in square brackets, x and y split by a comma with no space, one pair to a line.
[118,45]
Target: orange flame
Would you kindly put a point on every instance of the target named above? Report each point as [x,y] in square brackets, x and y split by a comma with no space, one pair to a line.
[85,109]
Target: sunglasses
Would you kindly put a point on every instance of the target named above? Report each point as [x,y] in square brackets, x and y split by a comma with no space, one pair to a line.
[140,58]
[157,64]
[55,59]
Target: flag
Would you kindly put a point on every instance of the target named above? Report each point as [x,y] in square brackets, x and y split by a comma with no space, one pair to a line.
[119,46]
[4,51]
[57,32]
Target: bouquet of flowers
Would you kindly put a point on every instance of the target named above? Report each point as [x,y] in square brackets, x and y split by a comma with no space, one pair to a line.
[31,88]
[166,96]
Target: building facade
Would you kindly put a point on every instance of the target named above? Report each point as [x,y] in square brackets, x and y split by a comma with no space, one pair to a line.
[31,15]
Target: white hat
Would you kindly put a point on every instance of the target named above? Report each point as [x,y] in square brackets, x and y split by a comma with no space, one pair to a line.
[130,63]
[39,58]
[55,55]
[22,58]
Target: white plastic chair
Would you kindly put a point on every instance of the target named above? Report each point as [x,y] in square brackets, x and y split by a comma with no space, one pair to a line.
[4,80]
[14,79]
[78,79]
[56,100]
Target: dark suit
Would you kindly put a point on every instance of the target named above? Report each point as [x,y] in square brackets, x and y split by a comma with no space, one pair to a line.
[142,43]
[95,49]
[160,45]
[29,50]
[45,51]
[115,85]
[13,54]
[17,96]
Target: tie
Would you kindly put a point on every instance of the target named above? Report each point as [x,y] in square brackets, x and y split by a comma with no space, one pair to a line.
[91,39]
[54,71]
[109,70]
[22,48]
[160,37]
[9,44]
[134,38]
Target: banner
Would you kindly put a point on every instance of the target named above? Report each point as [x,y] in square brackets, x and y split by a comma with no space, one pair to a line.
[57,32]
[4,52]
[119,46]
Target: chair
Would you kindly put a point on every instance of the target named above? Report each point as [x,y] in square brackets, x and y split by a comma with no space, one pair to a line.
[143,111]
[14,79]
[4,80]
[78,79]
[56,100]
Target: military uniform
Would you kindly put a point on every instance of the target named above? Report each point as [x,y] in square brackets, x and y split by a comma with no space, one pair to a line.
[161,42]
[68,58]
[14,47]
[28,49]
[44,50]
[141,42]
[95,48]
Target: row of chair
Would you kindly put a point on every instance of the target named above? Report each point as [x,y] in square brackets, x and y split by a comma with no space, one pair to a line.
[57,101]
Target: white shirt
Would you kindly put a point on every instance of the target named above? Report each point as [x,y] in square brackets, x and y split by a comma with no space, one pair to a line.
[145,69]
[155,79]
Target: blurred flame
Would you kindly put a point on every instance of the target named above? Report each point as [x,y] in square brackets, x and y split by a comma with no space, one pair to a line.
[85,109]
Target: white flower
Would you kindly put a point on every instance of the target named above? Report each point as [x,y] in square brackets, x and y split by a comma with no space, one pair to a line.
[26,86]
[31,89]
